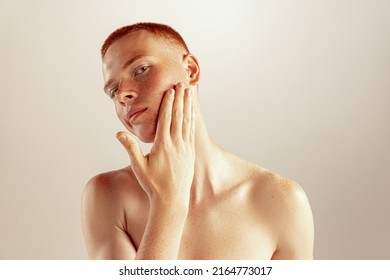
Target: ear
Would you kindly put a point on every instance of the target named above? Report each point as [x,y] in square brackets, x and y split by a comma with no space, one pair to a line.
[193,69]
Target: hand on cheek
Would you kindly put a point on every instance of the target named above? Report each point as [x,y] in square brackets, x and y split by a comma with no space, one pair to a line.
[166,173]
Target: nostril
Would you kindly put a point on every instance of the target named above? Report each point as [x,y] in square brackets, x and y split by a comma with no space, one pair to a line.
[129,96]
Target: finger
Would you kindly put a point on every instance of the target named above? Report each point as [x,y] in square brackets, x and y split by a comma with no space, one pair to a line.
[132,148]
[187,114]
[177,112]
[165,116]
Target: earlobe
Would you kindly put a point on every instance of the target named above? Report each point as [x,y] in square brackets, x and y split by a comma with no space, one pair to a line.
[193,69]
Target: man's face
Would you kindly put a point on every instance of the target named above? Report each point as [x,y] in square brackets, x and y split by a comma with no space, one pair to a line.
[138,69]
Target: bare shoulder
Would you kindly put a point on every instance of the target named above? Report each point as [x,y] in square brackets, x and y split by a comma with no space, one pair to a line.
[102,198]
[111,185]
[107,178]
[113,194]
[286,194]
[283,203]
[103,214]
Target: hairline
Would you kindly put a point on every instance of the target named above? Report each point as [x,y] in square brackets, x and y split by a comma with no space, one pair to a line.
[170,41]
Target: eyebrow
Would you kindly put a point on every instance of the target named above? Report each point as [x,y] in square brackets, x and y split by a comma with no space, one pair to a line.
[125,65]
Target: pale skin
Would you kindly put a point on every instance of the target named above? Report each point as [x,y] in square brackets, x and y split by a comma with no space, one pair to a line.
[187,198]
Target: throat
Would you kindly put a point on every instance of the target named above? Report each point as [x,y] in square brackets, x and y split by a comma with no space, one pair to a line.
[210,176]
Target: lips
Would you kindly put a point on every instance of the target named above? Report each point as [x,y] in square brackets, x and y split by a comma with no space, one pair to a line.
[132,115]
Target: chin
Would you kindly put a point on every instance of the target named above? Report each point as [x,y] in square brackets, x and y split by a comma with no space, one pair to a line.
[146,136]
[146,139]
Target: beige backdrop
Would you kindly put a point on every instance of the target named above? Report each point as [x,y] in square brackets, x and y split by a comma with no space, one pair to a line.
[299,87]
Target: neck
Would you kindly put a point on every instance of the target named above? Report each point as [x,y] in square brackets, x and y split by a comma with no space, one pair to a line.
[209,162]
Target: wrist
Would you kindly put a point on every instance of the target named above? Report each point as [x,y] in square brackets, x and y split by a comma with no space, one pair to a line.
[171,208]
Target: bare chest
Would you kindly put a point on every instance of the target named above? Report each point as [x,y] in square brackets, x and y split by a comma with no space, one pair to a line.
[219,234]
[225,235]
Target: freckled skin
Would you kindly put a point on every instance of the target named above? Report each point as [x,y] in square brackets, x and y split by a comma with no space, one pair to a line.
[210,204]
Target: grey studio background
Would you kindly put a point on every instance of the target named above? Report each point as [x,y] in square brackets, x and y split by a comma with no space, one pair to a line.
[299,87]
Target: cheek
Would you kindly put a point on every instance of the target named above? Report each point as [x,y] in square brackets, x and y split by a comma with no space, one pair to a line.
[158,81]
[154,88]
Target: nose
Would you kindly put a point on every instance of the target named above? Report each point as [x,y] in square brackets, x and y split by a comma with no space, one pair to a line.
[126,93]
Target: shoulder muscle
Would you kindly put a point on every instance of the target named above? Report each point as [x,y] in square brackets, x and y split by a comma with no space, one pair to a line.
[103,219]
[295,229]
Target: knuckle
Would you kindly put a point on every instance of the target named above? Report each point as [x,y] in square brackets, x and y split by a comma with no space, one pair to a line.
[166,115]
[130,146]
[178,143]
[163,143]
[177,114]
[187,120]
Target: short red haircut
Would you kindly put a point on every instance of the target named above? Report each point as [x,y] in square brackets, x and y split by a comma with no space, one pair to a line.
[161,30]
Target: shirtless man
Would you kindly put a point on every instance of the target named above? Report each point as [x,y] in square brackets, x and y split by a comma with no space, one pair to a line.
[187,198]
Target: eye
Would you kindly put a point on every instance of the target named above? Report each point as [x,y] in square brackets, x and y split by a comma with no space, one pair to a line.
[141,70]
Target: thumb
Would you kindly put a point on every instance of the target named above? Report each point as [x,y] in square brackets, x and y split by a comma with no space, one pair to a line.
[132,148]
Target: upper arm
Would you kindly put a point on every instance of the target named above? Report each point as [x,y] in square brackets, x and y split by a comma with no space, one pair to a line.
[296,227]
[103,222]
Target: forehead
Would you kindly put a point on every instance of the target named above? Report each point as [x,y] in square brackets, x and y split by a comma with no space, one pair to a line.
[136,43]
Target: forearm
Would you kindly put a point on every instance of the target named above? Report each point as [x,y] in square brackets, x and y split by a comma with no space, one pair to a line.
[163,233]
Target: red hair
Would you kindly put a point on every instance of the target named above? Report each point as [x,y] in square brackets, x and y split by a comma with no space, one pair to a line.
[161,30]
